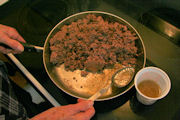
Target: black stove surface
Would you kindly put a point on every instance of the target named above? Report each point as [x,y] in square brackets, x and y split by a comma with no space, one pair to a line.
[35,18]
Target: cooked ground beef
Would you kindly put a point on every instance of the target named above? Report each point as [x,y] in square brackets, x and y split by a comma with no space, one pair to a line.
[93,44]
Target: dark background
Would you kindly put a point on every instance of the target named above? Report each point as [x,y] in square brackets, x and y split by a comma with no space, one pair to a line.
[35,18]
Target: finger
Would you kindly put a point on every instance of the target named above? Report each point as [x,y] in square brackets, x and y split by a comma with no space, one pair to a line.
[87,115]
[11,32]
[81,106]
[80,100]
[5,51]
[14,34]
[11,43]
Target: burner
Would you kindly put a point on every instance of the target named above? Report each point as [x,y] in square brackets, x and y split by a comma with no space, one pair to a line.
[53,11]
[35,20]
[33,27]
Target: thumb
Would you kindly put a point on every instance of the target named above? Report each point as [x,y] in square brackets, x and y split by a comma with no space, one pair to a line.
[82,106]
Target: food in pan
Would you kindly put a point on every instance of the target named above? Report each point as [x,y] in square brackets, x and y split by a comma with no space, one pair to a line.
[92,44]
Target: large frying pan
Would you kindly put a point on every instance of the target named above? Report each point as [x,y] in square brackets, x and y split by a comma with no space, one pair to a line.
[83,87]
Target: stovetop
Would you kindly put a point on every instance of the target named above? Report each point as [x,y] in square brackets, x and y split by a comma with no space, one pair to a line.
[34,20]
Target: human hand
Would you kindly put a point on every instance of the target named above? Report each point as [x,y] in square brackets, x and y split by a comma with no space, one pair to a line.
[83,110]
[10,37]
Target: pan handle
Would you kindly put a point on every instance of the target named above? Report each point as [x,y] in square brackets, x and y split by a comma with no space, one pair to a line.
[27,47]
[32,48]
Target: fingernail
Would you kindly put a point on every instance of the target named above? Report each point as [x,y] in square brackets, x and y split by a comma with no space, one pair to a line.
[20,48]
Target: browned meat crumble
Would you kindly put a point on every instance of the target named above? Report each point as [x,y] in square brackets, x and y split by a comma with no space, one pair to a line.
[93,44]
